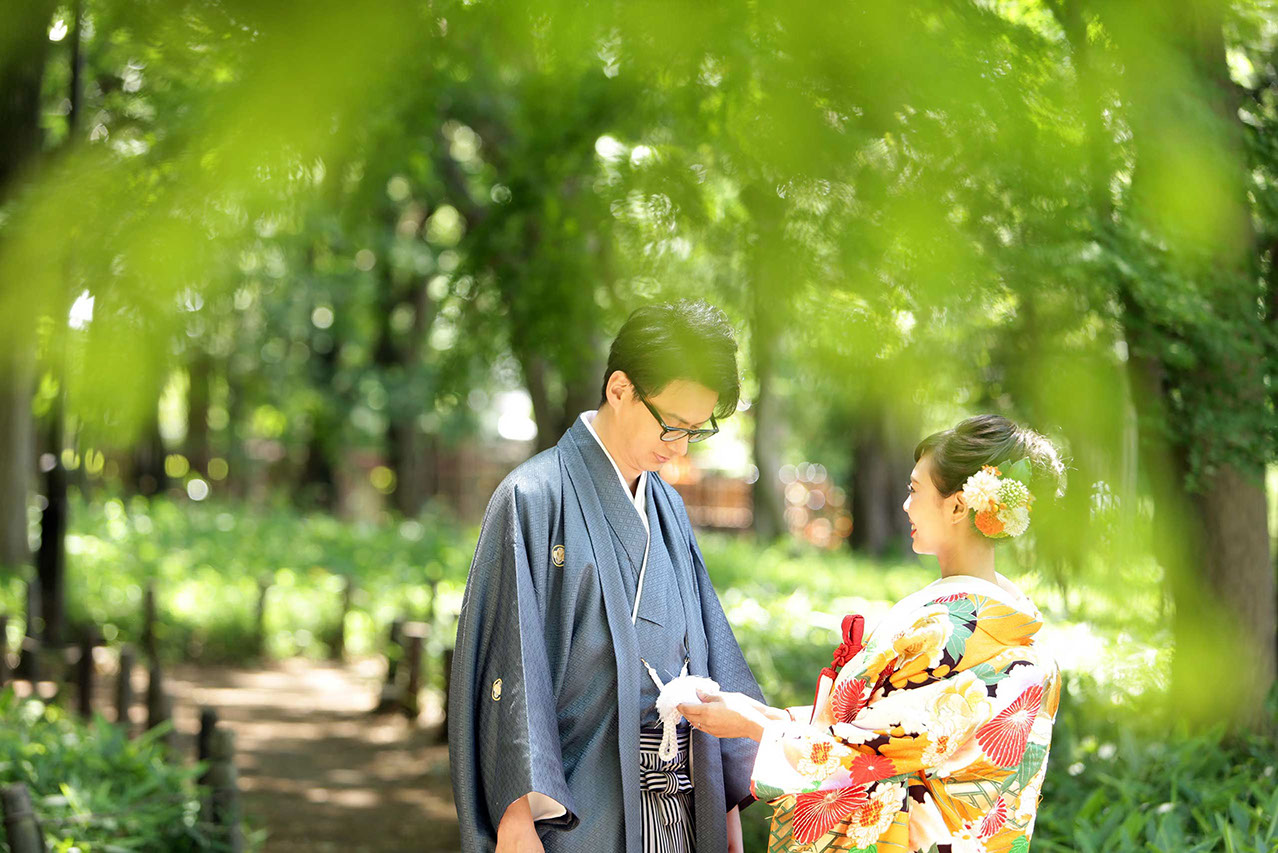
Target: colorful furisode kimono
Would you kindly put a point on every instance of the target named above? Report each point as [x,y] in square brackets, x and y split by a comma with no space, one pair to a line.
[934,736]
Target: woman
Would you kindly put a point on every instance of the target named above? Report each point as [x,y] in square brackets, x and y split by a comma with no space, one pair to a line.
[934,736]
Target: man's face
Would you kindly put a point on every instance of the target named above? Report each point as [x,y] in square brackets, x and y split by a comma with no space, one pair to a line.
[682,403]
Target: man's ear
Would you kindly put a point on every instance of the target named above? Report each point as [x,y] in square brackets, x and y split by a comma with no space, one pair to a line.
[618,385]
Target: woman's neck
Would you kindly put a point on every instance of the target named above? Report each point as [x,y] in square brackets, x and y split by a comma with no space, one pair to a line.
[971,557]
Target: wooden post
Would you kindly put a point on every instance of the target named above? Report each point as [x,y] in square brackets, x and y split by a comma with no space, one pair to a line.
[159,707]
[395,651]
[389,700]
[85,672]
[259,627]
[224,794]
[408,702]
[124,687]
[204,742]
[30,663]
[20,824]
[4,649]
[448,688]
[204,754]
[338,650]
[148,621]
[430,605]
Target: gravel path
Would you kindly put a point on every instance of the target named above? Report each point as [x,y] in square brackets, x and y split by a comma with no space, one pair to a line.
[318,772]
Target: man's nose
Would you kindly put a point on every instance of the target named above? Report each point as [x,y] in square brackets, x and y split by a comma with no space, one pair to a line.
[680,447]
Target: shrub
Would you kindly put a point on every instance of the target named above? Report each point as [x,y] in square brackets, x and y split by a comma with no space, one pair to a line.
[94,789]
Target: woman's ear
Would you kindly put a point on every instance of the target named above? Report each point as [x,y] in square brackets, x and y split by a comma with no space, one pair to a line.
[958,512]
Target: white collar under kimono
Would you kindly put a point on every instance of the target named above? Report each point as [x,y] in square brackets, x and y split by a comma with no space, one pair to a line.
[639,500]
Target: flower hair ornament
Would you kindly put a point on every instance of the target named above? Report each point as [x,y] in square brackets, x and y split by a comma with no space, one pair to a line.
[1000,499]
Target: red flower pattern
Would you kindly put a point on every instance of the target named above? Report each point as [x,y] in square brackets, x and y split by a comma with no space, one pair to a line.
[849,698]
[871,767]
[1004,737]
[994,820]
[817,813]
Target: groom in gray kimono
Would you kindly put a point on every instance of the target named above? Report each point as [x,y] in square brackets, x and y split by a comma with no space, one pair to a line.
[587,592]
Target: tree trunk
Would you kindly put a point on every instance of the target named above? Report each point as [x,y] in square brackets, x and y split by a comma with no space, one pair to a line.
[769,431]
[767,306]
[237,461]
[199,371]
[318,486]
[51,560]
[1239,571]
[319,481]
[21,73]
[17,450]
[545,414]
[148,476]
[880,470]
[582,391]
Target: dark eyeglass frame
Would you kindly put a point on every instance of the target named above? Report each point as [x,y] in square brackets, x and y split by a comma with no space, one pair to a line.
[669,433]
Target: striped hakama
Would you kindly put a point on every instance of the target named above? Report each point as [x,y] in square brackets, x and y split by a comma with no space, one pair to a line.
[666,795]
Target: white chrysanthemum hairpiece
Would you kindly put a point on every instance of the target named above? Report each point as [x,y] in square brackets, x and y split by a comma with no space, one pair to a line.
[1000,503]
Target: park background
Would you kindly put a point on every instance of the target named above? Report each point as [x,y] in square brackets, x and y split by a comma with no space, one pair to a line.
[287,288]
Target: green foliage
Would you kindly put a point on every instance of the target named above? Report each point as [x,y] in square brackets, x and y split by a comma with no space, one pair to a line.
[207,561]
[95,790]
[1130,776]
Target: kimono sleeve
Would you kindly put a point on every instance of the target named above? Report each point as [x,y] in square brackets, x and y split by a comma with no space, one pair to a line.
[921,715]
[920,730]
[503,734]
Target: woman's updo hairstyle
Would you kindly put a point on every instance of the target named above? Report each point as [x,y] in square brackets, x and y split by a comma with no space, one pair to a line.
[960,452]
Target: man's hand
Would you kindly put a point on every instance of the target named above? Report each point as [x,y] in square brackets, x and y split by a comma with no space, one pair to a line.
[517,833]
[726,715]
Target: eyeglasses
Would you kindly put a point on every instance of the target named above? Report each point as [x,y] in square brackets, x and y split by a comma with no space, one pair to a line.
[669,433]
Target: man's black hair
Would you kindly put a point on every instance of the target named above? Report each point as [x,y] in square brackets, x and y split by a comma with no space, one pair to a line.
[687,339]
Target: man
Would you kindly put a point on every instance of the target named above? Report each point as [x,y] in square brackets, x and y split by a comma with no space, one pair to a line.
[587,589]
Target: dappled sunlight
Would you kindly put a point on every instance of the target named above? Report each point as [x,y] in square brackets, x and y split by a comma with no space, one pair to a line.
[289,289]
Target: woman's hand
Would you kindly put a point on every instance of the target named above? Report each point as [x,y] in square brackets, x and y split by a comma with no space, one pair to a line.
[767,710]
[727,715]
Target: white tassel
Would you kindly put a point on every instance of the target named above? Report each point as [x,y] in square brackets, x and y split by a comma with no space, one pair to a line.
[676,692]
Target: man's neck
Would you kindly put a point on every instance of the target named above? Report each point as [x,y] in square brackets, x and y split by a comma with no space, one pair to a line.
[606,428]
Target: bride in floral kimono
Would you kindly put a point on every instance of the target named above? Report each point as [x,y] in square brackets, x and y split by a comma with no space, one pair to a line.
[934,735]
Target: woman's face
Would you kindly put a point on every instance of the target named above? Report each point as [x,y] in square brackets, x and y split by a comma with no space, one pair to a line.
[934,519]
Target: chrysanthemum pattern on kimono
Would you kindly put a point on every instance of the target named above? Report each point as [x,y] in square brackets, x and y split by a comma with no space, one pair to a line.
[935,733]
